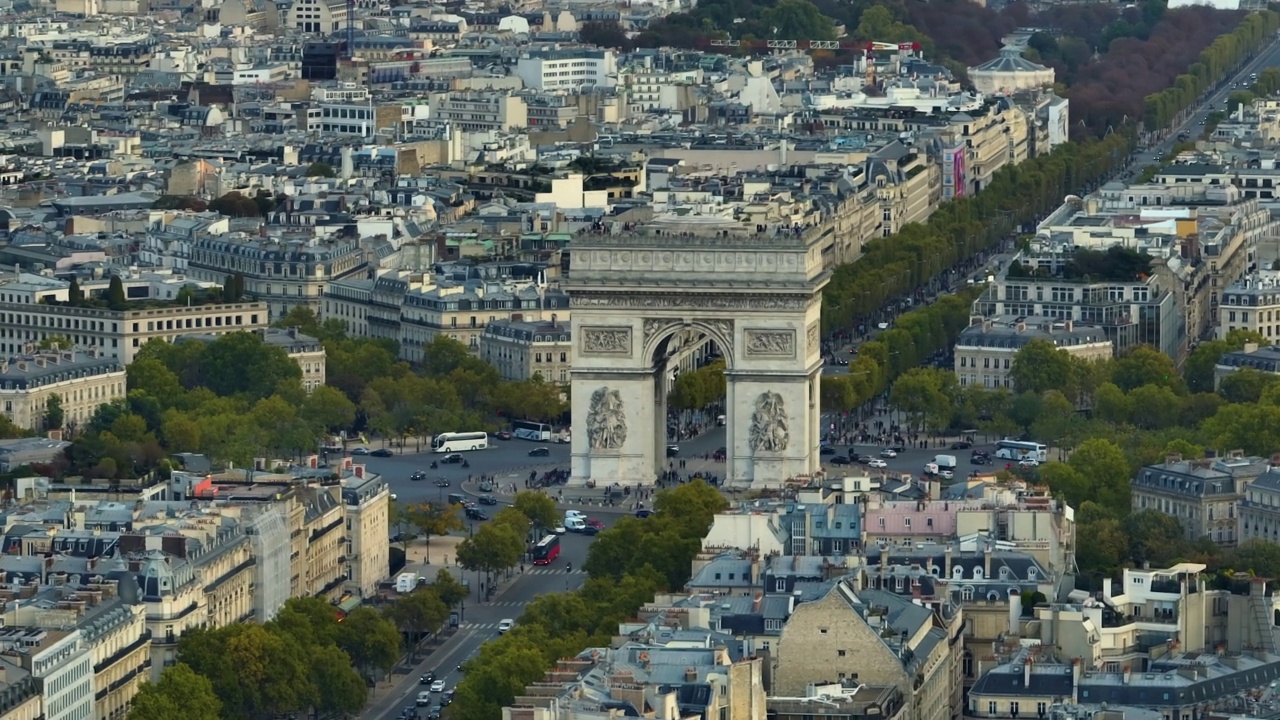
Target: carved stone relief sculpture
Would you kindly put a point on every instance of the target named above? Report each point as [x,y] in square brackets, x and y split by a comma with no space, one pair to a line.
[760,342]
[606,341]
[815,338]
[606,420]
[769,432]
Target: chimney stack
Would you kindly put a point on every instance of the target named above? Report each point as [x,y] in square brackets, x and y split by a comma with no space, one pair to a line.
[1026,673]
[986,561]
[1128,674]
[946,555]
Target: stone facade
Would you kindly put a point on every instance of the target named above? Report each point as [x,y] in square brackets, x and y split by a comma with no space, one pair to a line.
[631,326]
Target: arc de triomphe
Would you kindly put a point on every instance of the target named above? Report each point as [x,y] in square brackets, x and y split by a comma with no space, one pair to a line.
[638,297]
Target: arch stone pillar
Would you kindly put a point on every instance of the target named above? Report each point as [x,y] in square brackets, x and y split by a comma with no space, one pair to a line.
[636,296]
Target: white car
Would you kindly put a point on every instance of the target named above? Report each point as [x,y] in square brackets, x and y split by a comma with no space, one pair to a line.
[946,474]
[877,463]
[506,625]
[437,686]
[559,530]
[574,514]
[889,453]
[1028,462]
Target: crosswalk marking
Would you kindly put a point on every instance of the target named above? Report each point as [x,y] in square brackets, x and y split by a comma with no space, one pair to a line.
[551,571]
[479,626]
[505,603]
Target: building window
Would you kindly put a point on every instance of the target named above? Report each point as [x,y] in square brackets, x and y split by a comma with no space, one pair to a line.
[992,708]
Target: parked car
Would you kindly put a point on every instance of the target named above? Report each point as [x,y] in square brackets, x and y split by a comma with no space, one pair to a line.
[488,500]
[961,445]
[360,451]
[452,458]
[839,460]
[503,435]
[888,453]
[540,452]
[877,463]
[382,452]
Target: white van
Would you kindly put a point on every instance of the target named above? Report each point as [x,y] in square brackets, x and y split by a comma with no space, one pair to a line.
[573,524]
[574,515]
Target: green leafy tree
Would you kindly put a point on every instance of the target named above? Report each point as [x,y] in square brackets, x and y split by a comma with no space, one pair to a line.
[56,342]
[432,519]
[340,691]
[497,674]
[319,169]
[1104,464]
[493,548]
[538,508]
[923,394]
[53,412]
[448,589]
[75,296]
[235,204]
[419,614]
[1041,366]
[327,408]
[1145,365]
[115,294]
[180,693]
[370,640]
[242,362]
[253,670]
[1154,537]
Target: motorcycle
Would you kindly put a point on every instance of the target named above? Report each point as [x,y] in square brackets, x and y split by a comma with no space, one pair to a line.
[568,567]
[434,465]
[466,464]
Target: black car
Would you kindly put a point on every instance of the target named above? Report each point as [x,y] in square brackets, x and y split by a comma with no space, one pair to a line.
[839,460]
[418,476]
[643,513]
[961,445]
[503,435]
[488,500]
[826,450]
[427,678]
[898,447]
[540,452]
[589,530]
[854,457]
[382,452]
[978,457]
[442,483]
[451,458]
[476,514]
[409,712]
[673,450]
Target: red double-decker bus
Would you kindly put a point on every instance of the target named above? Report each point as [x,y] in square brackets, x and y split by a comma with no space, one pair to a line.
[547,550]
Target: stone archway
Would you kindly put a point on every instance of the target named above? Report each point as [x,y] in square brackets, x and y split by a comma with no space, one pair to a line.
[756,296]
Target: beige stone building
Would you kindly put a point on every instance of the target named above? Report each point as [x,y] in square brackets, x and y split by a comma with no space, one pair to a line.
[120,333]
[116,632]
[1253,304]
[19,694]
[1203,494]
[985,350]
[522,349]
[875,638]
[366,504]
[82,380]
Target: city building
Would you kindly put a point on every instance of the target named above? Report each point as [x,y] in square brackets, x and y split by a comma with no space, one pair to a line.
[877,638]
[366,503]
[1265,359]
[279,273]
[985,350]
[1252,303]
[521,350]
[82,380]
[305,350]
[567,68]
[691,673]
[60,661]
[20,697]
[120,333]
[1203,494]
